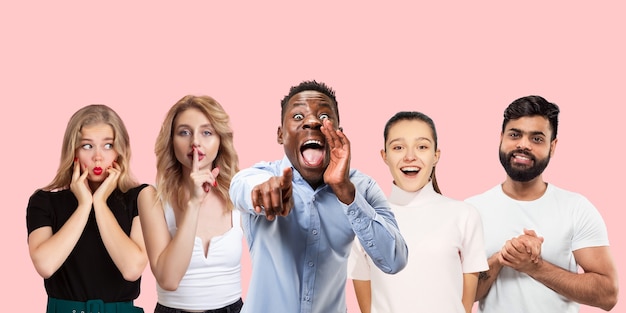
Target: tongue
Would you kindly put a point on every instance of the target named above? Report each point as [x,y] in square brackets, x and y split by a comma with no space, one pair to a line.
[313,157]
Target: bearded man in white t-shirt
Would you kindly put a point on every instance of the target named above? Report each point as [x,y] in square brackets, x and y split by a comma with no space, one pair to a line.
[536,234]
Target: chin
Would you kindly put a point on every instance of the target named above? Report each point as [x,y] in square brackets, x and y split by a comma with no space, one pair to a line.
[411,186]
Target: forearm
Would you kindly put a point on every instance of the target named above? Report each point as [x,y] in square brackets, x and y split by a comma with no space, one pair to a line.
[363,292]
[128,256]
[586,288]
[173,262]
[470,281]
[379,235]
[487,278]
[49,251]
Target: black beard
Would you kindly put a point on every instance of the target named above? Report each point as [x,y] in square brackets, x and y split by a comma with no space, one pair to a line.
[523,174]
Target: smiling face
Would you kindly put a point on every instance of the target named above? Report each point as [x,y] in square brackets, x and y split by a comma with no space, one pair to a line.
[96,152]
[525,147]
[192,129]
[410,154]
[300,134]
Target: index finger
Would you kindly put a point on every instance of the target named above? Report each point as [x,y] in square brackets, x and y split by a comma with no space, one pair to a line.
[329,131]
[76,170]
[287,177]
[194,161]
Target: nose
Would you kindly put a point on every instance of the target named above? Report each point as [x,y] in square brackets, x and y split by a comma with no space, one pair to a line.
[195,141]
[312,121]
[409,155]
[524,143]
[97,156]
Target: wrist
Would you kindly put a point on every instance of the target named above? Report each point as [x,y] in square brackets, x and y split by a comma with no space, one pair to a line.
[345,192]
[193,203]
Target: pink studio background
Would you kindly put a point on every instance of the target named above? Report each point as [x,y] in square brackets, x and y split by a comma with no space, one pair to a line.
[459,63]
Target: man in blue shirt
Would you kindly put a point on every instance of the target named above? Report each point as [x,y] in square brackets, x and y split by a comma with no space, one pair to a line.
[304,211]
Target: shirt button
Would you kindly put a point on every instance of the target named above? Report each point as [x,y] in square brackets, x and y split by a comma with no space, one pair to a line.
[311,264]
[358,220]
[369,243]
[352,212]
[314,232]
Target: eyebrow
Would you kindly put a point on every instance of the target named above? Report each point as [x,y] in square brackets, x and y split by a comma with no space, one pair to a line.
[532,133]
[105,139]
[322,103]
[416,139]
[208,125]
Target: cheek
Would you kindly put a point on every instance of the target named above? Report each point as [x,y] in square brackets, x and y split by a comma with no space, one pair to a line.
[112,156]
[84,157]
[180,147]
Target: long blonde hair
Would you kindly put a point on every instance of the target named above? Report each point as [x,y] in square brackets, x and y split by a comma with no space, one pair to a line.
[90,115]
[169,180]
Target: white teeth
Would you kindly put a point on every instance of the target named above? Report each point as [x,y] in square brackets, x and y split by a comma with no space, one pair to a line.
[410,169]
[522,157]
[308,142]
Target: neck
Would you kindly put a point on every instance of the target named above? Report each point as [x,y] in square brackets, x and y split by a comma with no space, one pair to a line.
[525,191]
[94,186]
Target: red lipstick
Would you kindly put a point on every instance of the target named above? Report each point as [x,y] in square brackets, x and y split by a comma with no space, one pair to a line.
[97,170]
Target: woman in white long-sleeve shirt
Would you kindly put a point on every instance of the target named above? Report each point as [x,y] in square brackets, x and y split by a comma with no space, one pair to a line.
[444,236]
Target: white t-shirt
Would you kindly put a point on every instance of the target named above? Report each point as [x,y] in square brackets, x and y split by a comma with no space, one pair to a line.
[210,282]
[445,240]
[566,220]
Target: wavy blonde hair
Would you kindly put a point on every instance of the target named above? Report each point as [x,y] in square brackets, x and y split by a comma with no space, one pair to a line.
[91,115]
[169,180]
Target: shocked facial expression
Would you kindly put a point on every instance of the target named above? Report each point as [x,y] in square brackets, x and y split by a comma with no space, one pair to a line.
[96,152]
[525,147]
[193,130]
[305,145]
[410,154]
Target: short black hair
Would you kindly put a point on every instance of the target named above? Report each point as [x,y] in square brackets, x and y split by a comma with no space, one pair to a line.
[533,106]
[306,86]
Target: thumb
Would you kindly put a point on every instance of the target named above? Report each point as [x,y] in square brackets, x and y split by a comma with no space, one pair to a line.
[215,171]
[530,232]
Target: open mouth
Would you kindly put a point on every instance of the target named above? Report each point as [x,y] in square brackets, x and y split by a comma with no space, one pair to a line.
[312,152]
[522,158]
[410,170]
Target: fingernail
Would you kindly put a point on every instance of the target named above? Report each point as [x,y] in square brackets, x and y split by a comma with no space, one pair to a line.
[75,159]
[215,183]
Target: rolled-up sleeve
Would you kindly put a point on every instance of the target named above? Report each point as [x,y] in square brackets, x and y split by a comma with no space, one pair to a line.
[375,226]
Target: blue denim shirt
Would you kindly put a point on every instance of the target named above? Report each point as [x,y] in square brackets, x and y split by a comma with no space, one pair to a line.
[299,261]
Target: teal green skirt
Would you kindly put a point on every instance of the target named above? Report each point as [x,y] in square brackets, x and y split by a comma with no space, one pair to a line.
[91,306]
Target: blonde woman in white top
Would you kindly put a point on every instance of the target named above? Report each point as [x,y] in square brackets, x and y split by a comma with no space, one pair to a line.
[194,240]
[444,236]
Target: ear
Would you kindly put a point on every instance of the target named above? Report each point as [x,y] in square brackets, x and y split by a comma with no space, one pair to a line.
[383,155]
[279,135]
[437,156]
[553,146]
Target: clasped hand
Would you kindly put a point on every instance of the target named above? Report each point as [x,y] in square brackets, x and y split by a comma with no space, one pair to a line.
[522,252]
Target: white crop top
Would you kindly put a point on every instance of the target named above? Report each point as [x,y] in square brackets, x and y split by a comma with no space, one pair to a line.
[212,282]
